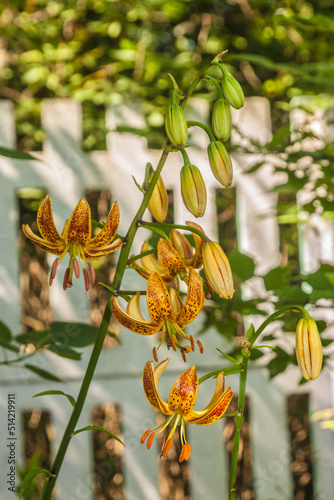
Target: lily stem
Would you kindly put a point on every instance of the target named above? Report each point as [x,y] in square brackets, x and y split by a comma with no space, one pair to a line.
[161,225]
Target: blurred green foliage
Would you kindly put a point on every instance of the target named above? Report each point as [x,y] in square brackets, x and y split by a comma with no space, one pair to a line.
[106,51]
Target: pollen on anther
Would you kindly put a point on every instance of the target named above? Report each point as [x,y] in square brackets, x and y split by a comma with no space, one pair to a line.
[150,440]
[53,270]
[86,278]
[76,268]
[184,357]
[192,342]
[199,343]
[155,356]
[172,342]
[167,446]
[91,273]
[144,436]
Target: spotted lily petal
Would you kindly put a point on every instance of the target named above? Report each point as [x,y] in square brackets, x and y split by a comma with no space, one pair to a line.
[91,253]
[197,261]
[133,308]
[107,233]
[152,265]
[143,327]
[216,408]
[46,223]
[78,229]
[151,377]
[169,258]
[183,395]
[53,248]
[159,304]
[176,301]
[194,300]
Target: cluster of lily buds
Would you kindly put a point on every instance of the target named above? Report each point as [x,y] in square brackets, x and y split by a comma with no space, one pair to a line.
[308,348]
[193,190]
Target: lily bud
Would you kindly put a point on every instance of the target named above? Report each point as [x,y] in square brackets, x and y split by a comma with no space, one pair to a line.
[217,269]
[176,126]
[158,204]
[220,163]
[193,190]
[308,348]
[232,91]
[221,119]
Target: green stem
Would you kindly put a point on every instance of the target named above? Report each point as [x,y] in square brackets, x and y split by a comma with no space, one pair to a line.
[238,419]
[228,370]
[216,84]
[50,482]
[140,255]
[175,226]
[193,123]
[254,336]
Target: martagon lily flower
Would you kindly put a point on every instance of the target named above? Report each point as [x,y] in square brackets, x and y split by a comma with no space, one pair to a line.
[179,407]
[173,258]
[74,239]
[167,312]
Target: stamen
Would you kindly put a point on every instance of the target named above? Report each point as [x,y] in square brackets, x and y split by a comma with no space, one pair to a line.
[76,268]
[67,283]
[199,343]
[187,451]
[172,342]
[167,446]
[91,273]
[54,269]
[155,356]
[86,278]
[150,440]
[192,342]
[187,348]
[144,436]
[184,357]
[182,453]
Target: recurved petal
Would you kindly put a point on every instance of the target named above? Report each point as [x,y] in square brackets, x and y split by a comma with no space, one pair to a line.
[53,248]
[93,253]
[169,258]
[151,377]
[183,395]
[197,261]
[194,300]
[133,308]
[107,233]
[217,406]
[152,265]
[46,223]
[78,229]
[176,301]
[159,304]
[143,327]
[182,246]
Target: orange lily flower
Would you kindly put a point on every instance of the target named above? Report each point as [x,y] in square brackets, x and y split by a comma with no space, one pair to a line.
[74,239]
[173,258]
[179,407]
[167,312]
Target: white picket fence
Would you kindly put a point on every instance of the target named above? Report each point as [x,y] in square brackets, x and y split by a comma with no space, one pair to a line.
[65,172]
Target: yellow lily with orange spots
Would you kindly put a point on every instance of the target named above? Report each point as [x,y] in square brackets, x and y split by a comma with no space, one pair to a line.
[75,239]
[167,311]
[179,407]
[173,258]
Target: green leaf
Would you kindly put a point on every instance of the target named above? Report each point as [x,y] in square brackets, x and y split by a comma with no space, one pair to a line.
[29,477]
[65,352]
[43,373]
[141,189]
[73,334]
[254,168]
[277,365]
[242,266]
[326,342]
[39,338]
[15,154]
[51,392]
[9,346]
[97,428]
[230,358]
[5,333]
[276,278]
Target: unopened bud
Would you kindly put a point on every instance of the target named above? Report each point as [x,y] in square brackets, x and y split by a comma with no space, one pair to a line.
[193,190]
[308,348]
[176,126]
[217,269]
[232,91]
[158,204]
[220,163]
[221,119]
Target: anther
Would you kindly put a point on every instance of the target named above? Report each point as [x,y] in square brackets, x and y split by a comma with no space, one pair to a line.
[53,270]
[192,342]
[91,273]
[150,440]
[155,356]
[167,446]
[172,342]
[144,436]
[76,268]
[66,282]
[184,357]
[86,278]
[199,343]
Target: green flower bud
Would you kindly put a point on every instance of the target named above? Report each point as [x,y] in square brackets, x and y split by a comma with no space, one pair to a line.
[222,119]
[193,190]
[220,163]
[232,91]
[176,126]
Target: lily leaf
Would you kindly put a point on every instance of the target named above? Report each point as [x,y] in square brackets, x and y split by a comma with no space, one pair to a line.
[47,393]
[43,373]
[97,428]
[15,154]
[29,477]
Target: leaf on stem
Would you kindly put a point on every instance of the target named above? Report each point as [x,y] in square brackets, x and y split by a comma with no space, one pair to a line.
[29,477]
[97,428]
[47,393]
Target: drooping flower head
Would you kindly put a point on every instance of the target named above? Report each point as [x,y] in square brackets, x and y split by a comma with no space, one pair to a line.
[167,311]
[75,239]
[179,407]
[308,348]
